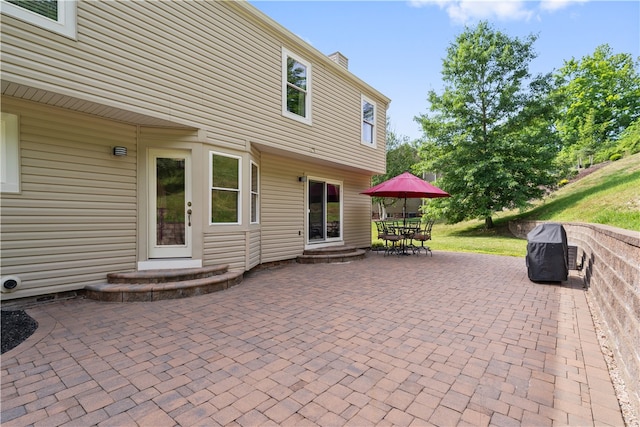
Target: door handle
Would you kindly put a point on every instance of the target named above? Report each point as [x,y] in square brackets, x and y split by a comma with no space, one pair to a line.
[189,214]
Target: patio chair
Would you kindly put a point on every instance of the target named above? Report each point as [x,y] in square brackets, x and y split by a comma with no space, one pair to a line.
[391,240]
[380,227]
[423,235]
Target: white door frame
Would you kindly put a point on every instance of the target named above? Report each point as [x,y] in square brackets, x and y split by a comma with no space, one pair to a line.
[325,241]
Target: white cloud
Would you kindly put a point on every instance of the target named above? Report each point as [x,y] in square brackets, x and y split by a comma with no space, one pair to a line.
[553,5]
[464,11]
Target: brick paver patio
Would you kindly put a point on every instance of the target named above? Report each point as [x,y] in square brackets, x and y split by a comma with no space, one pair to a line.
[456,339]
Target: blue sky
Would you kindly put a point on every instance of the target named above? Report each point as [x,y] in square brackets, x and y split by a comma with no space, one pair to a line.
[398,46]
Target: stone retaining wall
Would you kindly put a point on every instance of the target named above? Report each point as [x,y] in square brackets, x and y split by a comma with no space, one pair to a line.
[610,260]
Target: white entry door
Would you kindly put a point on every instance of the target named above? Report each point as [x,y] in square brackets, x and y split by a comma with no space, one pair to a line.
[170,206]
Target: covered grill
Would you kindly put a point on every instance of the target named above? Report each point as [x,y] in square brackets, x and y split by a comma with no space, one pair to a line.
[547,253]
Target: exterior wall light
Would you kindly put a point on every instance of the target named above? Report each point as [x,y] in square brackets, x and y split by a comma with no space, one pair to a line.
[302,179]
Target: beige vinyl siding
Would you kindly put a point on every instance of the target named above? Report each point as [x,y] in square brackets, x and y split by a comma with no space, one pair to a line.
[357,211]
[284,212]
[164,137]
[282,208]
[225,248]
[75,218]
[254,249]
[203,65]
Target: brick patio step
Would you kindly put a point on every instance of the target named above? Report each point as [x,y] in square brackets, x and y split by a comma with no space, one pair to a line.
[155,285]
[164,276]
[331,254]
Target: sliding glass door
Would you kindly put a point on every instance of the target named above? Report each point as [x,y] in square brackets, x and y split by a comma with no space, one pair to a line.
[325,211]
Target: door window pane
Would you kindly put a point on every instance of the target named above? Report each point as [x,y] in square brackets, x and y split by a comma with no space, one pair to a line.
[170,201]
[316,210]
[333,210]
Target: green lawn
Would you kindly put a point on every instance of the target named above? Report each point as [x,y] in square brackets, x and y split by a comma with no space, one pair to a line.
[608,196]
[470,237]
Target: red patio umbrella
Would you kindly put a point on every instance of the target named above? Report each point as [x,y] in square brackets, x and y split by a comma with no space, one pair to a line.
[406,186]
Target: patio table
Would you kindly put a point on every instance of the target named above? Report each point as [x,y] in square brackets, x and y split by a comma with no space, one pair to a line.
[407,232]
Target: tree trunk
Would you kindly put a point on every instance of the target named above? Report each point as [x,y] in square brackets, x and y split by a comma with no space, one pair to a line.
[382,210]
[488,223]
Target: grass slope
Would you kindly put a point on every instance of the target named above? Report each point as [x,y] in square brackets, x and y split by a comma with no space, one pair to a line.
[610,195]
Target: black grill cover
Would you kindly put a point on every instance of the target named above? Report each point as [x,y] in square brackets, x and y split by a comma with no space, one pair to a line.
[547,253]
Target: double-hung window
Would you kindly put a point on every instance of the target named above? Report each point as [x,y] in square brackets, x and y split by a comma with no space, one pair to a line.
[368,122]
[58,16]
[255,194]
[224,182]
[9,154]
[296,87]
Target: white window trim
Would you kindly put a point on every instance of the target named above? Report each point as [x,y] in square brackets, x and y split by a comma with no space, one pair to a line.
[10,153]
[307,119]
[65,25]
[251,192]
[217,153]
[364,99]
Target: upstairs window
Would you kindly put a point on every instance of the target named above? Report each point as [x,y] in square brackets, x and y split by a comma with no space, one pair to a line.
[368,122]
[58,16]
[46,8]
[296,87]
[224,182]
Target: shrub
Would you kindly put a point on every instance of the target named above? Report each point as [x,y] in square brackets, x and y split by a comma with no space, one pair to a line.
[563,182]
[616,156]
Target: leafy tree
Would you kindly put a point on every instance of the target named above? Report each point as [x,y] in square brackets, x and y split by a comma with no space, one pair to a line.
[489,135]
[599,98]
[402,155]
[588,135]
[629,142]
